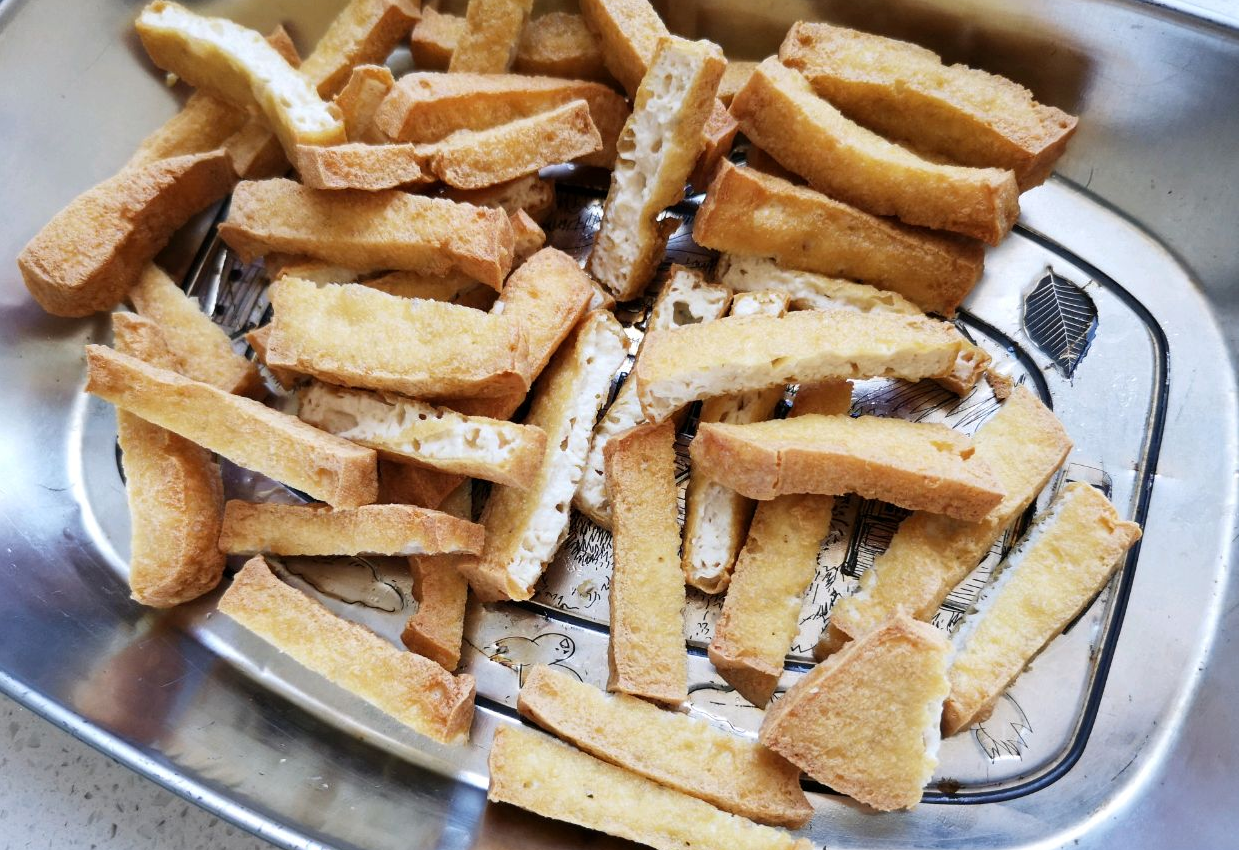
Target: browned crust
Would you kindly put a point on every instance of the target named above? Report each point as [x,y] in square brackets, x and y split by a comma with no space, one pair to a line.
[778,110]
[434,38]
[204,123]
[258,339]
[904,91]
[718,136]
[487,44]
[436,628]
[357,165]
[920,466]
[538,773]
[247,433]
[330,332]
[250,528]
[204,350]
[412,689]
[429,107]
[369,231]
[676,750]
[88,256]
[807,230]
[176,496]
[629,32]
[364,33]
[854,722]
[476,159]
[559,44]
[646,651]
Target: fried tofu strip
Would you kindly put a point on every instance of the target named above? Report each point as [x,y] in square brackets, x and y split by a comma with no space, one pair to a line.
[716,518]
[538,773]
[408,430]
[528,237]
[809,291]
[204,350]
[629,32]
[1024,444]
[258,339]
[748,212]
[546,297]
[525,527]
[530,193]
[647,653]
[364,33]
[675,750]
[176,496]
[904,91]
[412,689]
[437,627]
[360,99]
[475,159]
[369,231]
[335,333]
[430,107]
[238,65]
[357,165]
[487,44]
[743,353]
[685,299]
[91,253]
[283,447]
[251,528]
[761,612]
[916,465]
[1046,582]
[454,288]
[557,44]
[865,721]
[657,149]
[779,111]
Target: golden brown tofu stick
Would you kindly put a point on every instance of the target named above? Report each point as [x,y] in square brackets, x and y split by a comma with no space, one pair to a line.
[865,721]
[676,750]
[364,33]
[538,773]
[242,430]
[176,496]
[657,150]
[369,231]
[89,255]
[559,44]
[647,650]
[904,91]
[434,39]
[761,612]
[475,159]
[437,627]
[430,107]
[204,124]
[251,528]
[204,350]
[778,110]
[743,353]
[530,193]
[487,44]
[412,689]
[360,99]
[916,465]
[356,165]
[807,230]
[629,32]
[237,64]
[330,332]
[1046,581]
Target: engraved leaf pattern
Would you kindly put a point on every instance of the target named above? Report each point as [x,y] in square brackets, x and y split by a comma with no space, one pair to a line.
[1061,320]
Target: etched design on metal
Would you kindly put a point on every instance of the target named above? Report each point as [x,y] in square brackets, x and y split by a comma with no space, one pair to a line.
[1061,320]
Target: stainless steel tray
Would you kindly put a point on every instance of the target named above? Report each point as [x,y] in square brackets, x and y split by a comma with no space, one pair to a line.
[1093,734]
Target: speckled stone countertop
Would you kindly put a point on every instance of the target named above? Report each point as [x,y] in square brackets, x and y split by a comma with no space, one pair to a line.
[57,792]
